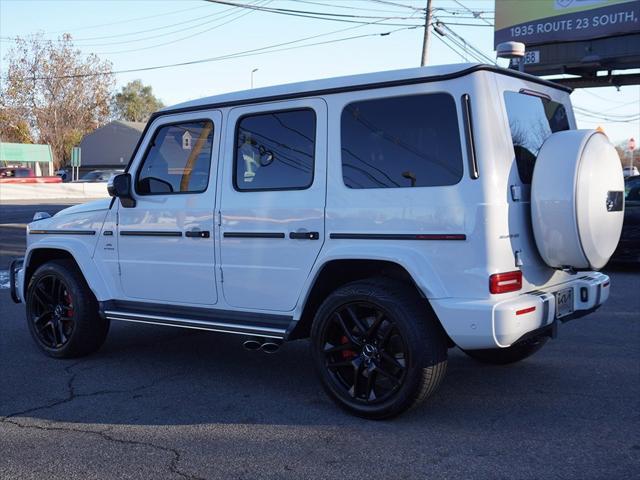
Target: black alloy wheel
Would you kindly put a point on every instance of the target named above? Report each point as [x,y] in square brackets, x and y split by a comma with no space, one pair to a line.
[365,352]
[51,311]
[62,311]
[378,348]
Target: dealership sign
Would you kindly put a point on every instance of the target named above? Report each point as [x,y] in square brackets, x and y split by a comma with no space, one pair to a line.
[535,22]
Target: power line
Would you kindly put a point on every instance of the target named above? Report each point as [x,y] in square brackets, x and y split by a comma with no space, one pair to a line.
[121,21]
[395,4]
[246,53]
[178,31]
[477,53]
[236,17]
[335,17]
[462,57]
[475,14]
[346,7]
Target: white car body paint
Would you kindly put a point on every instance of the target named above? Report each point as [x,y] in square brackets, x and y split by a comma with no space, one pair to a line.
[267,276]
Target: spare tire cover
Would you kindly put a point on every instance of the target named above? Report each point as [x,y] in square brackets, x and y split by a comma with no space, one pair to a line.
[577,200]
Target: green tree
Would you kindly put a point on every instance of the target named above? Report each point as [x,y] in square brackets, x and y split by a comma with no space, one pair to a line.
[135,102]
[56,92]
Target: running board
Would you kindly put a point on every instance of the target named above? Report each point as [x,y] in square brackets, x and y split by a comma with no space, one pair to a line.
[238,323]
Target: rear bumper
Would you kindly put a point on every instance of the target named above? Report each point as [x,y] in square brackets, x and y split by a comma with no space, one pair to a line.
[15,279]
[479,324]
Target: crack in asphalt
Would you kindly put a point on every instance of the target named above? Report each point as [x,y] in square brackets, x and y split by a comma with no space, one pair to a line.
[72,395]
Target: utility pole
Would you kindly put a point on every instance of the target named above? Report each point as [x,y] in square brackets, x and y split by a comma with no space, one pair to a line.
[427,34]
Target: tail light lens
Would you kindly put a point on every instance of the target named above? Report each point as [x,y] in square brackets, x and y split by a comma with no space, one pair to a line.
[505,282]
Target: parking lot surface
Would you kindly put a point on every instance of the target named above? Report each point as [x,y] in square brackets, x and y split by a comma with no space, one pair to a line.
[159,402]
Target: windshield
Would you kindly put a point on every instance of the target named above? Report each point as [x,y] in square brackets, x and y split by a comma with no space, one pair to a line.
[532,120]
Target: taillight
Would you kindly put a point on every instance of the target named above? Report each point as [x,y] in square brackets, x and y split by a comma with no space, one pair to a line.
[505,282]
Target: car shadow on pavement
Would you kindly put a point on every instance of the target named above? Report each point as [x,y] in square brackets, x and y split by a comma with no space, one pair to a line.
[162,376]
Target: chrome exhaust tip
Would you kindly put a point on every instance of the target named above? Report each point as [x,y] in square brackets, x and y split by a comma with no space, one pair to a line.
[270,347]
[252,345]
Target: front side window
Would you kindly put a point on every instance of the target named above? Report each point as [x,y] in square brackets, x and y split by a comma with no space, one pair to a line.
[178,159]
[400,142]
[275,150]
[532,120]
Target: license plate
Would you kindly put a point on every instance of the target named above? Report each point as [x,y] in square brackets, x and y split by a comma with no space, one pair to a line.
[564,302]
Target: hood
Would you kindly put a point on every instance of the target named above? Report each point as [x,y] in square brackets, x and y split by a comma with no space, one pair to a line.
[102,204]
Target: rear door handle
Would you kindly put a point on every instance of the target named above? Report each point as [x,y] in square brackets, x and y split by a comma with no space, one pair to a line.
[197,233]
[304,235]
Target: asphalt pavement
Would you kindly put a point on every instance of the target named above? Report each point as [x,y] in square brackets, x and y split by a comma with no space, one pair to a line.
[159,402]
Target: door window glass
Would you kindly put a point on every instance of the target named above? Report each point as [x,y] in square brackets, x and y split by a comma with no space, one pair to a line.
[275,150]
[400,142]
[532,120]
[178,160]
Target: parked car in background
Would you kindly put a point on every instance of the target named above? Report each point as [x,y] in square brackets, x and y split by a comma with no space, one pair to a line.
[630,171]
[16,172]
[23,175]
[64,174]
[99,175]
[629,246]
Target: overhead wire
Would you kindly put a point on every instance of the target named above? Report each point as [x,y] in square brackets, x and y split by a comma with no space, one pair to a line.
[233,12]
[170,42]
[474,13]
[335,17]
[129,20]
[278,47]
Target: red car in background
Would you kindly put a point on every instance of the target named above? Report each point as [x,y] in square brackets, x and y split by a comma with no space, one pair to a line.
[24,175]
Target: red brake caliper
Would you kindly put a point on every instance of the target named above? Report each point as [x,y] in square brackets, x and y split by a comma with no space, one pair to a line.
[346,354]
[67,297]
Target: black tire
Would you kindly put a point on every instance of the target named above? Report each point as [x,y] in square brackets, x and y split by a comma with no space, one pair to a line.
[389,340]
[62,312]
[505,356]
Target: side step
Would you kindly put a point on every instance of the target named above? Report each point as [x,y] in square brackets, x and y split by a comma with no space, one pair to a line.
[223,321]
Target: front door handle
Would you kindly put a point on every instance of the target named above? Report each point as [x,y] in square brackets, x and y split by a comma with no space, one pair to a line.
[304,235]
[197,233]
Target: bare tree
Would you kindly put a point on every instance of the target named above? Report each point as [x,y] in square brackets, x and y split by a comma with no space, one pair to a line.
[58,92]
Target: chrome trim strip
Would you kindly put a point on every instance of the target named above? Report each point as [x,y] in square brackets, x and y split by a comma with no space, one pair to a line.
[149,233]
[238,329]
[62,232]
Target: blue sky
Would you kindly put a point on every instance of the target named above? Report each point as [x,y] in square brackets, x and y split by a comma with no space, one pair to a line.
[133,34]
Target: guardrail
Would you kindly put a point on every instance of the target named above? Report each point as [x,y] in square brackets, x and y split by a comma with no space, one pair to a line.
[33,191]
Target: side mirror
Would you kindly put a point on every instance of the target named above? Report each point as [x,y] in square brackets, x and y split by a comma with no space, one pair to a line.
[120,186]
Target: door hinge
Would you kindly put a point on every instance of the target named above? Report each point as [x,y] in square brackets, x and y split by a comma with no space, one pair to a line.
[119,270]
[221,275]
[219,218]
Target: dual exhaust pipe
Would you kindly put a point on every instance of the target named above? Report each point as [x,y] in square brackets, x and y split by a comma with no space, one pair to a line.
[265,345]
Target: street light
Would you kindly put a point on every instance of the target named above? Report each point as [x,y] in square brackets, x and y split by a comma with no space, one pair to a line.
[252,72]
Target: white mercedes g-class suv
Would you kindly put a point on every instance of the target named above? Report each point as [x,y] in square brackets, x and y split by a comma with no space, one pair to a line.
[387,216]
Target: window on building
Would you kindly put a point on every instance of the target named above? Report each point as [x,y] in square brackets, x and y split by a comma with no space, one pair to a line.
[275,150]
[178,160]
[532,120]
[401,142]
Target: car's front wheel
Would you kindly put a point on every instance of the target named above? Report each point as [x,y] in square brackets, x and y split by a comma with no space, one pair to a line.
[62,312]
[377,348]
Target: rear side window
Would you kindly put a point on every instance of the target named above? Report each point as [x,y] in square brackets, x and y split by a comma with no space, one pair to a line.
[178,160]
[532,120]
[401,142]
[275,150]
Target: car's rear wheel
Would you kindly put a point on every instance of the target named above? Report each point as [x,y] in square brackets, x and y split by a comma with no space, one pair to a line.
[62,312]
[512,354]
[377,348]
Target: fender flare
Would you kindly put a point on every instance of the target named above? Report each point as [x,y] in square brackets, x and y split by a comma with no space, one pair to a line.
[79,251]
[416,265]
